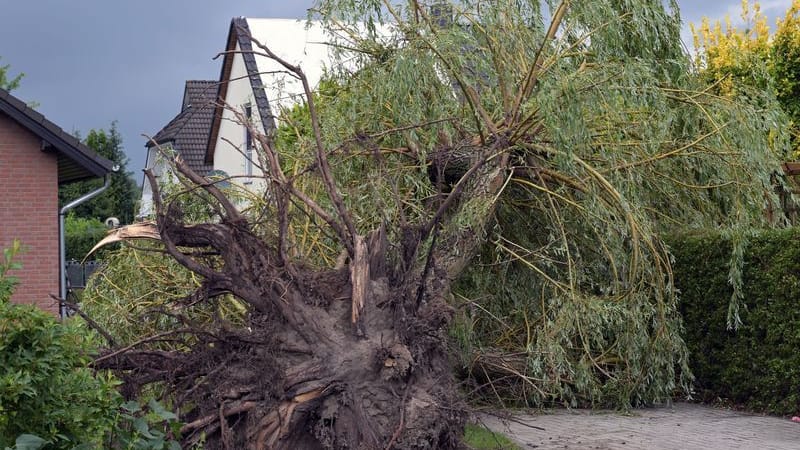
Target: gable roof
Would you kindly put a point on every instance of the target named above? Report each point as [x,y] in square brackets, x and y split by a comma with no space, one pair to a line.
[189,130]
[298,42]
[76,161]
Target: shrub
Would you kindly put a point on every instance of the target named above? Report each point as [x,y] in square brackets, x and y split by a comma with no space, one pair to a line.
[757,365]
[50,398]
[46,387]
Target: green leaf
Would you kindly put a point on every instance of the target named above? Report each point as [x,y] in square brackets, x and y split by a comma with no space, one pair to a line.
[142,427]
[159,410]
[131,406]
[29,442]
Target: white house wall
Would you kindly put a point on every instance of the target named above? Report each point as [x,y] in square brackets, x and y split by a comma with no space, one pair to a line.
[231,138]
[298,43]
[290,40]
[160,168]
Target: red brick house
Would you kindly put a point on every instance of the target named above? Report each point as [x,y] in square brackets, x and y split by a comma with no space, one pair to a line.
[36,156]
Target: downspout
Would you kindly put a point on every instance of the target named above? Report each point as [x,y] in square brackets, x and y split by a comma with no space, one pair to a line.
[62,246]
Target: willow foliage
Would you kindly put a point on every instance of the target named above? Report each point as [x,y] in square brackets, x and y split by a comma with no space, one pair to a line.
[611,139]
[571,299]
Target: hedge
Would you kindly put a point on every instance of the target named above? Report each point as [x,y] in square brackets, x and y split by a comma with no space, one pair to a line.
[81,234]
[758,365]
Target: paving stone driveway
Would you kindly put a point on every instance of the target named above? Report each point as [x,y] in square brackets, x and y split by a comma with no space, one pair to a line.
[683,426]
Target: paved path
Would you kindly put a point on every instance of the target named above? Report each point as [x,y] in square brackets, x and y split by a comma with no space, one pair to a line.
[680,427]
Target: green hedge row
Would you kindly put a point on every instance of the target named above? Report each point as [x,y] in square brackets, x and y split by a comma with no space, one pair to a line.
[81,234]
[758,365]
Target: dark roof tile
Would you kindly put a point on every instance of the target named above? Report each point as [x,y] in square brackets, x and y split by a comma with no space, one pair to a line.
[189,130]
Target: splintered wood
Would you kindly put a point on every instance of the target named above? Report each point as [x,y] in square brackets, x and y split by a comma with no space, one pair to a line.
[359,278]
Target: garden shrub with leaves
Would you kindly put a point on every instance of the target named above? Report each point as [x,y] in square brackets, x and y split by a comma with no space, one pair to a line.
[46,386]
[757,365]
[751,58]
[49,396]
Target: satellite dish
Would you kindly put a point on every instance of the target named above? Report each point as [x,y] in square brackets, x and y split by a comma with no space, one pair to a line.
[220,177]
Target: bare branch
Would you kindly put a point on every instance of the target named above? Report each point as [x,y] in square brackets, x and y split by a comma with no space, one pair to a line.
[128,348]
[321,155]
[92,324]
[166,237]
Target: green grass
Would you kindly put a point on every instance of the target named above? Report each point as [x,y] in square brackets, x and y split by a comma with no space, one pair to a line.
[479,438]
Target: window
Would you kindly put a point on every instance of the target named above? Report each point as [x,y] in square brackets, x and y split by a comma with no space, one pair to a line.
[248,142]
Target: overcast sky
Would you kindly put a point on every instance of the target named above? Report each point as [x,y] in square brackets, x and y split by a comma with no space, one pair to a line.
[90,62]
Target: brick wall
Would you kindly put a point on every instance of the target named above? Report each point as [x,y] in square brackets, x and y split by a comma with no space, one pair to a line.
[29,212]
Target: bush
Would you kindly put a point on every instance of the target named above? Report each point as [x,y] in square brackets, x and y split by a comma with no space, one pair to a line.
[50,398]
[757,365]
[46,387]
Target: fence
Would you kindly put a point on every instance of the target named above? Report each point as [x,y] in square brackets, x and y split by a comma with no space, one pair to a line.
[79,273]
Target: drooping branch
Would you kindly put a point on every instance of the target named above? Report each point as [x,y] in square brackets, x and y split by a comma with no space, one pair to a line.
[533,73]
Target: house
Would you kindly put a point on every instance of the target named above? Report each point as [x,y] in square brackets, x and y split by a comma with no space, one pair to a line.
[257,87]
[187,134]
[36,157]
[252,87]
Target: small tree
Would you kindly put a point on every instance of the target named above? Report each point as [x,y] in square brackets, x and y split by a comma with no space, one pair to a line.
[749,61]
[785,67]
[119,200]
[7,83]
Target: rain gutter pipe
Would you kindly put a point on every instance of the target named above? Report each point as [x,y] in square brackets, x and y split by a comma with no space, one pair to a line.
[62,250]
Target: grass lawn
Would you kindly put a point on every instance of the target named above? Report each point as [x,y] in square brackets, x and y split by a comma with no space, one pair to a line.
[479,438]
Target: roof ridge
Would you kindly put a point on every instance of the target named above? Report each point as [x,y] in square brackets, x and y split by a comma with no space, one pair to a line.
[66,144]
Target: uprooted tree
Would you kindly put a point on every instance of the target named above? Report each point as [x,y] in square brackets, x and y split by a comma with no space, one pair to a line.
[512,143]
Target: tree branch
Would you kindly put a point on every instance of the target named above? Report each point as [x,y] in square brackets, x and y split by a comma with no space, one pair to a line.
[92,324]
[140,342]
[320,154]
[166,236]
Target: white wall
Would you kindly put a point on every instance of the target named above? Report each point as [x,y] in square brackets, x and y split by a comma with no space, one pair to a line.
[232,133]
[160,168]
[298,44]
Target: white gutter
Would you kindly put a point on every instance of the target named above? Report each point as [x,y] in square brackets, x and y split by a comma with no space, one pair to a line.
[62,250]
